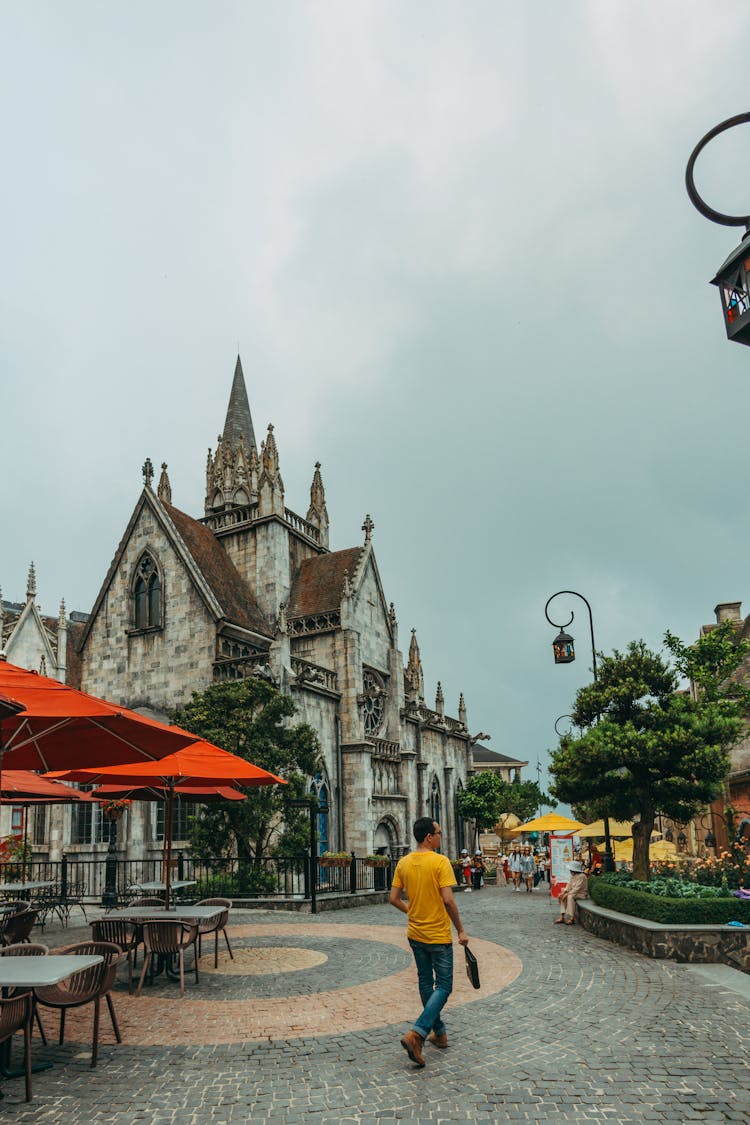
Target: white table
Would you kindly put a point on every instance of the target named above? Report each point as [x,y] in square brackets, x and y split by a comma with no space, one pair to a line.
[16,888]
[36,972]
[175,885]
[159,914]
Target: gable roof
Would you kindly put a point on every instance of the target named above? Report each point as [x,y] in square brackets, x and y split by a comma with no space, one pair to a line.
[318,582]
[219,572]
[482,755]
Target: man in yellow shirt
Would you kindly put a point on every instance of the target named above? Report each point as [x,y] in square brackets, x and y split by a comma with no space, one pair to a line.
[427,879]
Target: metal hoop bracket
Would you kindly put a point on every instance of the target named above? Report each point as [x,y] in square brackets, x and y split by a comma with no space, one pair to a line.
[695,198]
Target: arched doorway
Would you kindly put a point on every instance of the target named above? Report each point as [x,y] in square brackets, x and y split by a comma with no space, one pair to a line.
[319,788]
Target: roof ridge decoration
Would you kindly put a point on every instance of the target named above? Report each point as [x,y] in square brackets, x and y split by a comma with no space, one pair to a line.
[31,583]
[270,483]
[413,672]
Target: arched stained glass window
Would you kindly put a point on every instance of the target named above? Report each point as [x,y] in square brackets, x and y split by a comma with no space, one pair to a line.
[147,595]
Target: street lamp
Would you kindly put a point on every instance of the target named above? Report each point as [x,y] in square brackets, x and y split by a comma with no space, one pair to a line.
[733,276]
[609,859]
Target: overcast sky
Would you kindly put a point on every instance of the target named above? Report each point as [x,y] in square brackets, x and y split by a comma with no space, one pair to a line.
[453,246]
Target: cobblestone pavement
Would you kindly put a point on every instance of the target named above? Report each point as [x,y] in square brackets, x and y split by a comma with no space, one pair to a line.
[569,1028]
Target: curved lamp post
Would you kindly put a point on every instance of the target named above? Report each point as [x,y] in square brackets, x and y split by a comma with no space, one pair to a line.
[563,649]
[733,276]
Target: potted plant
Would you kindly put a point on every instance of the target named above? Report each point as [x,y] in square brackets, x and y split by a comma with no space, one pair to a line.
[335,859]
[377,860]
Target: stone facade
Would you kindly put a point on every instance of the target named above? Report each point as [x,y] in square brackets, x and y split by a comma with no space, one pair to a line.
[252,588]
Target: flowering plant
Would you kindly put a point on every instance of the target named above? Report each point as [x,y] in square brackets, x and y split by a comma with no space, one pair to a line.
[729,869]
[11,849]
[115,808]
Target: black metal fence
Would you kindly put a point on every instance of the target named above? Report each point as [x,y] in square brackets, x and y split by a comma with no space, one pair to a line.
[78,879]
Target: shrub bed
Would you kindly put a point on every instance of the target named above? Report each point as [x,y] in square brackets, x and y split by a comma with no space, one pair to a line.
[685,910]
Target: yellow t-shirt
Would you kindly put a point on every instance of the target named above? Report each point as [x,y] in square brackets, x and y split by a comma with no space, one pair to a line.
[421,875]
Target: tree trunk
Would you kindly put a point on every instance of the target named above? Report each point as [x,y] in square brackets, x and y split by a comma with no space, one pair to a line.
[641,838]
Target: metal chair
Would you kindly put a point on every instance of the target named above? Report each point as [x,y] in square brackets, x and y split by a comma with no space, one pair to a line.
[28,949]
[215,926]
[16,906]
[15,1015]
[87,986]
[169,939]
[148,900]
[125,935]
[15,928]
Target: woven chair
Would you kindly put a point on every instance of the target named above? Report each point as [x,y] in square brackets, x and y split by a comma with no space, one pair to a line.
[151,900]
[125,935]
[215,926]
[15,907]
[16,928]
[169,939]
[15,1015]
[28,949]
[87,986]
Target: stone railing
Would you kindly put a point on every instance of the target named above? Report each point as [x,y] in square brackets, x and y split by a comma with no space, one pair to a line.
[314,623]
[313,675]
[299,524]
[231,518]
[241,667]
[383,748]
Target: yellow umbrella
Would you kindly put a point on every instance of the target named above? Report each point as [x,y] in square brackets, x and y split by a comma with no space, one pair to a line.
[550,822]
[596,830]
[658,849]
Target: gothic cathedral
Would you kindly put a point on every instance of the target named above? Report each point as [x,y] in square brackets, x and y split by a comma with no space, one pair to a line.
[253,589]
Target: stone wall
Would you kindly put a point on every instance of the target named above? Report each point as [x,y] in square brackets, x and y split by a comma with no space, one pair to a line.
[727,945]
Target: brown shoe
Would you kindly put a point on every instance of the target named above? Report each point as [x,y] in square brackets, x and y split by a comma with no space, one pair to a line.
[412,1044]
[440,1041]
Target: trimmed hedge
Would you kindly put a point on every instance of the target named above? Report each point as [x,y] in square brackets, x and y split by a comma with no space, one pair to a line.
[669,911]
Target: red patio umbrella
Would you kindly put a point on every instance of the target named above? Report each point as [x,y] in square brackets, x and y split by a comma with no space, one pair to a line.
[199,762]
[24,788]
[55,726]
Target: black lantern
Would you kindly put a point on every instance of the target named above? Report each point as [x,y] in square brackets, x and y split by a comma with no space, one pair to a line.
[563,648]
[681,839]
[710,840]
[669,835]
[733,282]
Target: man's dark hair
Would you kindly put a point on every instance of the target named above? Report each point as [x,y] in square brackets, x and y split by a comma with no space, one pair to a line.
[423,827]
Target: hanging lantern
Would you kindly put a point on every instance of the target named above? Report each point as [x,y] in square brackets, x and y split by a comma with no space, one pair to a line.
[681,840]
[563,648]
[669,836]
[710,840]
[733,283]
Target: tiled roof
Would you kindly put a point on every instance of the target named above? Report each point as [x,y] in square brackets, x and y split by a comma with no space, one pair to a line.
[318,582]
[219,572]
[484,756]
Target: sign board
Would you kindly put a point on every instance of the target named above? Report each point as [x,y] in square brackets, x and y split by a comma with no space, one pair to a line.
[561,856]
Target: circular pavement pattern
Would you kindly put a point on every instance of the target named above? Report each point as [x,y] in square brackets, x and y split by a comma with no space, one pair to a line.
[264,961]
[162,1017]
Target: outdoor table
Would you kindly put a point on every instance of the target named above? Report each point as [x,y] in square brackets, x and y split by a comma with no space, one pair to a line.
[160,914]
[175,885]
[35,972]
[187,914]
[16,888]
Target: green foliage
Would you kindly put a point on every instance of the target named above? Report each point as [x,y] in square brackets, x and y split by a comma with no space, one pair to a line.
[482,799]
[683,911]
[250,718]
[523,798]
[650,748]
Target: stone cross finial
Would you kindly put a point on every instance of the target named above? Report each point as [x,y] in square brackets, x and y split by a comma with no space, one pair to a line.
[368,527]
[392,615]
[148,472]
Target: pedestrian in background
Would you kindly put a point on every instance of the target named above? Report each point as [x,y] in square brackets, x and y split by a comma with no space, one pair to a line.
[477,871]
[514,863]
[528,868]
[427,880]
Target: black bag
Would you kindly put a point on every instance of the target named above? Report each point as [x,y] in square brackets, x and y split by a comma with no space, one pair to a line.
[472,967]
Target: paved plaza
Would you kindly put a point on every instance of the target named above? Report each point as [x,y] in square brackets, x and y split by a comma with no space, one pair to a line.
[305,1026]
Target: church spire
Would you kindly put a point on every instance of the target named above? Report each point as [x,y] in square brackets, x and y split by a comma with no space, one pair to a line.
[239,420]
[31,584]
[414,674]
[317,513]
[231,474]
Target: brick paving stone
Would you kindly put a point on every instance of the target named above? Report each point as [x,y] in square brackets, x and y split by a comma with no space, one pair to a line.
[586,1032]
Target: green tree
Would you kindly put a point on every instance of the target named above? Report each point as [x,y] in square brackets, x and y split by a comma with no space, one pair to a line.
[646,747]
[250,718]
[523,798]
[481,800]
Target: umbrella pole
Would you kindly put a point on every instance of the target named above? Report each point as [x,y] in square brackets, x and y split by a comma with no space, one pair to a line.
[168,837]
[25,837]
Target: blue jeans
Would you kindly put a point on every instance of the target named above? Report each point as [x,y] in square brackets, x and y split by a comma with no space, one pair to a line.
[435,973]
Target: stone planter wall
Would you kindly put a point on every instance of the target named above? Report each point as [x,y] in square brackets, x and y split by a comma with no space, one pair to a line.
[728,945]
